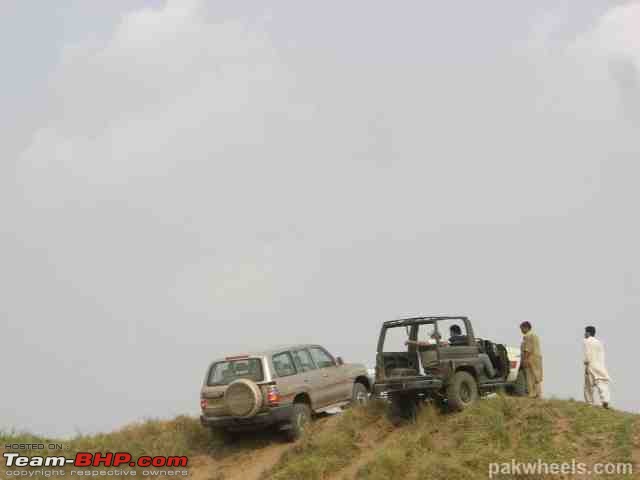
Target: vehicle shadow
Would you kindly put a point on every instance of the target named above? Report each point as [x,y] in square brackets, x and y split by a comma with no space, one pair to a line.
[222,447]
[251,441]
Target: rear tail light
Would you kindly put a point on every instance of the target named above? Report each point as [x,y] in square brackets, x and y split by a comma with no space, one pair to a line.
[273,396]
[203,403]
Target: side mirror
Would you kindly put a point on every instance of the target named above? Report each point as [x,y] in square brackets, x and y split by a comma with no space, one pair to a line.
[340,361]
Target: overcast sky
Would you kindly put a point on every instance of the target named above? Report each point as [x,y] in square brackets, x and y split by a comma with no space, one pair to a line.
[182,180]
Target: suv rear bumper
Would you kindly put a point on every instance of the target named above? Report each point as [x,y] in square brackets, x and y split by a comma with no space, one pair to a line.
[407,384]
[273,416]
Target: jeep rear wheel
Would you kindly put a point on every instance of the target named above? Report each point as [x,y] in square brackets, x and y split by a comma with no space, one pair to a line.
[403,408]
[300,419]
[462,391]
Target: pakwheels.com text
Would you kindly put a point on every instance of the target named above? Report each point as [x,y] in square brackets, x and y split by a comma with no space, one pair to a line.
[85,459]
[514,468]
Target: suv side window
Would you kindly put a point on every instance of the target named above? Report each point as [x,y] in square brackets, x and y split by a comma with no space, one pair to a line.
[322,358]
[283,364]
[303,360]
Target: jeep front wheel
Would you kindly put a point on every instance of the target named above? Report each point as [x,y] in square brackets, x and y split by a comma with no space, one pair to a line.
[462,391]
[300,419]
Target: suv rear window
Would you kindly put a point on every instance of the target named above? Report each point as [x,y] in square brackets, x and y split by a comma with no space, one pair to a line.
[223,373]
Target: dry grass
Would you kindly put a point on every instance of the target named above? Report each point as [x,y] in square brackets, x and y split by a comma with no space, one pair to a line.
[362,443]
[497,430]
[322,452]
[182,436]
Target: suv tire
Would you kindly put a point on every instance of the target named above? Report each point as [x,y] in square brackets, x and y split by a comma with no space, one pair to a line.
[223,435]
[462,391]
[360,394]
[300,418]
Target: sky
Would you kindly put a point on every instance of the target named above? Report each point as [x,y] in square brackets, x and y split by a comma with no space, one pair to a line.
[183,180]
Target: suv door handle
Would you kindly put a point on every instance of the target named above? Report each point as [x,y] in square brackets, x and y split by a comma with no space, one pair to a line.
[325,375]
[306,380]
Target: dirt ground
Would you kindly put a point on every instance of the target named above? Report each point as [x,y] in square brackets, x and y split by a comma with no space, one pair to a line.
[249,458]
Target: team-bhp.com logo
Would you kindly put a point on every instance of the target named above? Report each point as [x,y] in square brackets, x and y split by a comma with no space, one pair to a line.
[85,459]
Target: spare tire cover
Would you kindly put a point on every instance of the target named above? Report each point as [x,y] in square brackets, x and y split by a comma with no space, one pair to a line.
[243,398]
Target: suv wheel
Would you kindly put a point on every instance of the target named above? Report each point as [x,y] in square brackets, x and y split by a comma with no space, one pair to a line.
[360,394]
[462,391]
[300,419]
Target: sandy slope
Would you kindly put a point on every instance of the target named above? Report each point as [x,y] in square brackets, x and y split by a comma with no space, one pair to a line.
[249,465]
[249,458]
[254,457]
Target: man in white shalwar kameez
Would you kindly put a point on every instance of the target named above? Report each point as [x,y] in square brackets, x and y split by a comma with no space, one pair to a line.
[595,370]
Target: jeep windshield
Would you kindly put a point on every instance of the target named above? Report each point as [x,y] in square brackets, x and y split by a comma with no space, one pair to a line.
[395,338]
[225,372]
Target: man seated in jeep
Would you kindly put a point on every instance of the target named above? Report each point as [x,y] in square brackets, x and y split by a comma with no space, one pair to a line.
[457,338]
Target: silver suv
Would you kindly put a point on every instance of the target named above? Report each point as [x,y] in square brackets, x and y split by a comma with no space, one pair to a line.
[281,387]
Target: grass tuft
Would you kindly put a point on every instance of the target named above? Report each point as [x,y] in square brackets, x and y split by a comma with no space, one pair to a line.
[499,430]
[321,452]
[182,436]
[435,446]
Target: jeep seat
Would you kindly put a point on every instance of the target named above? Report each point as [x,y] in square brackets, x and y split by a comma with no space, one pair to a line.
[459,340]
[429,357]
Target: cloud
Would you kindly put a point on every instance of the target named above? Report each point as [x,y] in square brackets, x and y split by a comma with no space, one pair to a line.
[176,92]
[196,184]
[130,108]
[617,31]
[612,47]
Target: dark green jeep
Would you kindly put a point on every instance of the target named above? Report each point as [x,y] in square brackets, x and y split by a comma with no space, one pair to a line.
[439,358]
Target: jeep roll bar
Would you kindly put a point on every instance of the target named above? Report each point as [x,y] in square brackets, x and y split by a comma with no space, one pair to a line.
[413,321]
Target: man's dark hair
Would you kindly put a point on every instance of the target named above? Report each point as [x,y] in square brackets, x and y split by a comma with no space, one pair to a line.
[591,331]
[526,325]
[455,330]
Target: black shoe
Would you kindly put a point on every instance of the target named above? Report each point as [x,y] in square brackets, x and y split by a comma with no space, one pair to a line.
[605,405]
